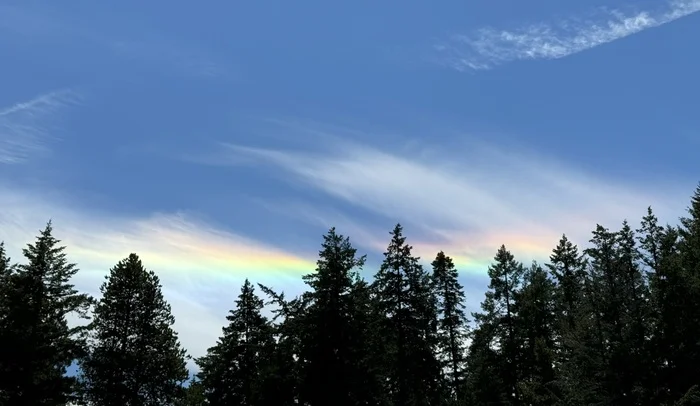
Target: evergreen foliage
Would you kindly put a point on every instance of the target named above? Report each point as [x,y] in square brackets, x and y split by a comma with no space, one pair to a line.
[616,323]
[39,344]
[135,357]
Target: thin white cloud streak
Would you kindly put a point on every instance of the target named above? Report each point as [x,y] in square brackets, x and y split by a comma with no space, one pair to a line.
[200,266]
[489,47]
[471,203]
[25,126]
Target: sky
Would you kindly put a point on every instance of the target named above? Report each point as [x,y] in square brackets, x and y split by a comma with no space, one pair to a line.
[220,141]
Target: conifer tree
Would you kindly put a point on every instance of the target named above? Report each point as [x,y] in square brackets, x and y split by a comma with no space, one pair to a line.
[452,327]
[683,316]
[568,268]
[404,296]
[534,306]
[618,301]
[659,253]
[485,384]
[572,325]
[135,357]
[366,322]
[638,314]
[288,334]
[6,353]
[35,326]
[331,352]
[233,372]
[499,314]
[193,394]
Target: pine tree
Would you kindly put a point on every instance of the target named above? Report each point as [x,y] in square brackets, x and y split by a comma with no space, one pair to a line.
[331,352]
[233,371]
[534,306]
[620,300]
[367,378]
[404,296]
[499,314]
[571,329]
[638,315]
[193,394]
[568,268]
[683,296]
[135,357]
[285,372]
[35,326]
[452,327]
[485,384]
[7,271]
[659,253]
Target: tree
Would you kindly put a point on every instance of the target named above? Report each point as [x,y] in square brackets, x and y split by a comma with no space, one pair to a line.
[568,268]
[135,357]
[682,315]
[35,325]
[572,324]
[193,394]
[485,384]
[233,371]
[404,298]
[499,317]
[332,348]
[7,271]
[452,323]
[285,372]
[534,306]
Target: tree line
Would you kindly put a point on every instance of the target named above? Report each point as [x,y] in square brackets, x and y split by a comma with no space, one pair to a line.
[617,323]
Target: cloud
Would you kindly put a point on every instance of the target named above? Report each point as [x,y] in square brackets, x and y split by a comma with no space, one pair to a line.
[489,47]
[201,267]
[467,203]
[24,126]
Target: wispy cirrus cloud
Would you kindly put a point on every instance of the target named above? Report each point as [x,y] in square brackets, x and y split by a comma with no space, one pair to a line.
[201,266]
[25,127]
[469,203]
[490,47]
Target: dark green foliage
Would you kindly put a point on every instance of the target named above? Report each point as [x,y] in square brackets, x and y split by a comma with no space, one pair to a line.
[233,372]
[616,324]
[499,318]
[485,383]
[534,306]
[334,347]
[38,299]
[452,323]
[135,357]
[193,394]
[681,309]
[405,300]
[7,270]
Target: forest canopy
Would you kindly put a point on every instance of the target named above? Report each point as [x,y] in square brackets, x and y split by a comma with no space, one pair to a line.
[616,323]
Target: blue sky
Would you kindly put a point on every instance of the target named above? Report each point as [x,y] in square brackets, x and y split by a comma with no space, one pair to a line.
[220,141]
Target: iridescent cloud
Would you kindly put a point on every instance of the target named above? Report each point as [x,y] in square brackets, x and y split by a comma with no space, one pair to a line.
[201,267]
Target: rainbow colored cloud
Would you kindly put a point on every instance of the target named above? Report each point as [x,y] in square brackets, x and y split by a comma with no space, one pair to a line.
[466,199]
[201,267]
